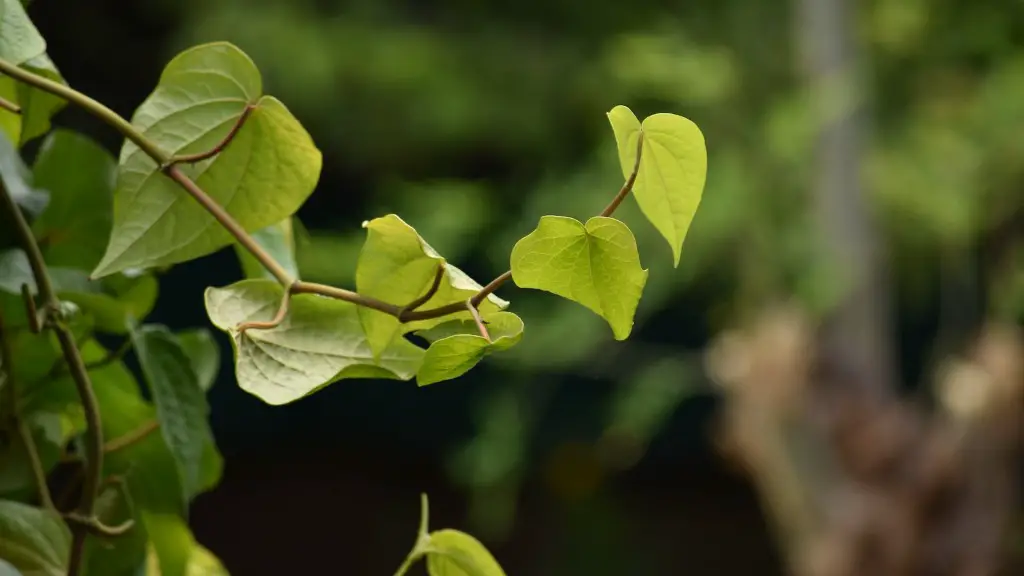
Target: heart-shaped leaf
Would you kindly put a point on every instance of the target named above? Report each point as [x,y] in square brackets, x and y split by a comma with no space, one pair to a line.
[261,177]
[457,346]
[596,265]
[320,341]
[396,265]
[673,168]
[33,540]
[454,553]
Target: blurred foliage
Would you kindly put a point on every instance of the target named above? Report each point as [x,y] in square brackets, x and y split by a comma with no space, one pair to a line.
[474,119]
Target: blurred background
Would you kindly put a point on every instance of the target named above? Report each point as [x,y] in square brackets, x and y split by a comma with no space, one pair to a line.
[865,167]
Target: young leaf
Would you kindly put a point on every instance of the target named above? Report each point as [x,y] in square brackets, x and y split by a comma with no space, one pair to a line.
[79,175]
[596,265]
[261,177]
[203,352]
[279,241]
[454,553]
[673,167]
[33,540]
[180,403]
[456,347]
[397,265]
[37,106]
[320,341]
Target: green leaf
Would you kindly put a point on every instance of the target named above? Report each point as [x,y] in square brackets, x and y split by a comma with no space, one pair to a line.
[396,265]
[456,347]
[454,553]
[50,431]
[279,241]
[267,171]
[171,544]
[8,569]
[673,168]
[37,106]
[320,341]
[19,39]
[204,353]
[35,541]
[79,175]
[180,402]
[596,265]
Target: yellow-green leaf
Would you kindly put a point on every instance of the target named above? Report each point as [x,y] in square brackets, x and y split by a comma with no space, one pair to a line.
[396,265]
[673,168]
[457,346]
[454,553]
[597,265]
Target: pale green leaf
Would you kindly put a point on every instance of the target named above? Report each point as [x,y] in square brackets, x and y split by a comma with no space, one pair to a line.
[396,265]
[171,544]
[457,346]
[263,176]
[8,569]
[320,341]
[204,353]
[180,402]
[673,168]
[37,106]
[79,176]
[596,265]
[278,240]
[19,39]
[35,541]
[454,553]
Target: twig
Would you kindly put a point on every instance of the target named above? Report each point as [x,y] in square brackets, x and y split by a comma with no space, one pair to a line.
[476,318]
[12,400]
[131,438]
[411,306]
[624,191]
[95,526]
[94,430]
[220,146]
[10,106]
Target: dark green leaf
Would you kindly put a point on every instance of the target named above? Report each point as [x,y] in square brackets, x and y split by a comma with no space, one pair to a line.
[180,402]
[16,176]
[79,176]
[35,541]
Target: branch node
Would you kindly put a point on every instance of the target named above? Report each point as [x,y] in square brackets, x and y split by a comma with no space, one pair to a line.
[282,311]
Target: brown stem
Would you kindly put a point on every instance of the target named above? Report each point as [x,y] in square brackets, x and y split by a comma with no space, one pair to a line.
[411,306]
[130,439]
[624,191]
[94,430]
[476,318]
[282,311]
[13,402]
[220,146]
[30,309]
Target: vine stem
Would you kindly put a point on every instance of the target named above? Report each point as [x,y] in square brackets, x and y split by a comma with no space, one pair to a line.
[79,374]
[628,185]
[11,398]
[168,164]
